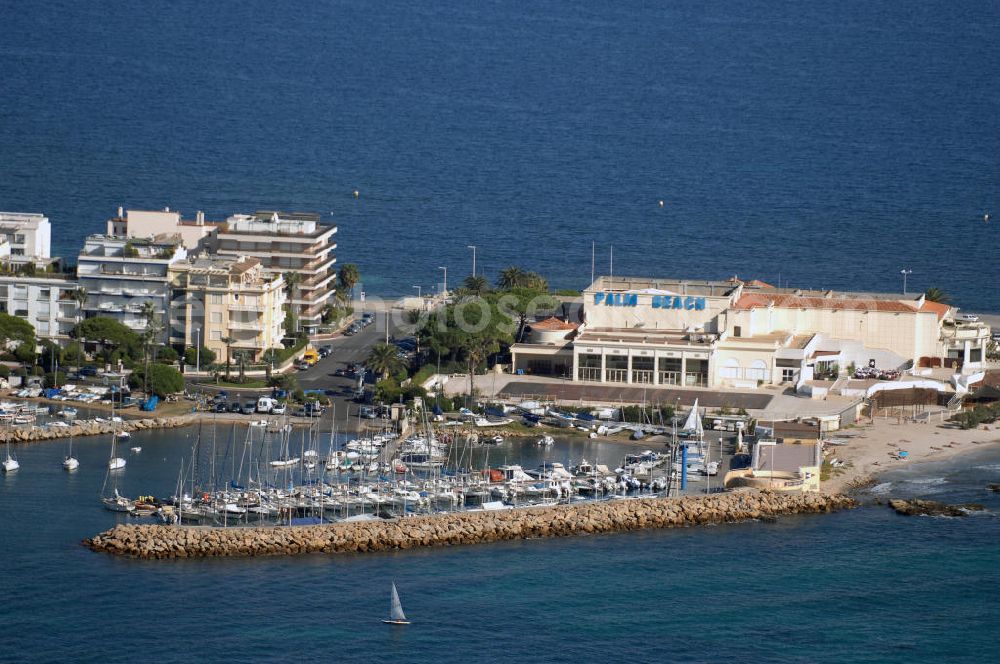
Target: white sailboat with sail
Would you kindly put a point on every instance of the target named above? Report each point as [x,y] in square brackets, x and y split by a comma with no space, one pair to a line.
[70,462]
[10,464]
[396,615]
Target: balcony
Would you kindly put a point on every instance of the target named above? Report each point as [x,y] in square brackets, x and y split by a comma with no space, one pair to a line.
[244,325]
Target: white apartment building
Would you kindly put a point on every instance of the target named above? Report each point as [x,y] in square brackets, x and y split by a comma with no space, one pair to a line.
[287,242]
[215,299]
[120,274]
[29,235]
[45,301]
[194,233]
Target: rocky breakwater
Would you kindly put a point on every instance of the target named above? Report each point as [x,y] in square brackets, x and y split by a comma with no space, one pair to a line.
[91,428]
[919,507]
[149,541]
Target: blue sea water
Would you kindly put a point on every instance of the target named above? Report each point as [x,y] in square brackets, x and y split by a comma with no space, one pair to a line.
[858,586]
[815,144]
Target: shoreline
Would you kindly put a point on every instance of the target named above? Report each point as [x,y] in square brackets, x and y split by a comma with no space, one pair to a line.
[875,449]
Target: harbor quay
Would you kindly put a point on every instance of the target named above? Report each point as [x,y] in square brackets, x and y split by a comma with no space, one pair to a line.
[461,528]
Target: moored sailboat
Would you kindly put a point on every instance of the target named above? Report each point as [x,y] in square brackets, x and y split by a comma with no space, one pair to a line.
[10,464]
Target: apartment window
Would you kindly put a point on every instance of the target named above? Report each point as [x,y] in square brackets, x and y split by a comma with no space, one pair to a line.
[216,335]
[216,316]
[19,238]
[975,355]
[17,252]
[43,294]
[215,298]
[787,375]
[737,331]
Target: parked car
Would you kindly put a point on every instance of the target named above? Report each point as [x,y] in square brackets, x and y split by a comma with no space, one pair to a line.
[325,351]
[88,372]
[221,407]
[340,371]
[278,409]
[235,407]
[367,412]
[249,408]
[302,365]
[265,405]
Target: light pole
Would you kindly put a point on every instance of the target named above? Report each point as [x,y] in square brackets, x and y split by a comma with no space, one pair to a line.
[905,272]
[444,288]
[418,291]
[473,247]
[197,346]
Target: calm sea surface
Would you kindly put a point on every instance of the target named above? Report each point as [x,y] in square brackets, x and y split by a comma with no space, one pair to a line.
[822,144]
[819,144]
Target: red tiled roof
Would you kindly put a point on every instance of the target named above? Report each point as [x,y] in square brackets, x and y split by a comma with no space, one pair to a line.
[757,300]
[936,307]
[553,323]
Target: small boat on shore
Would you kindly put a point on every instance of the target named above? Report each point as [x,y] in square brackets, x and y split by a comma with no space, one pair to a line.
[68,413]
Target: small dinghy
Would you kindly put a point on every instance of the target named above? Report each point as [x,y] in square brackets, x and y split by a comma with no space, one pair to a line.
[396,615]
[136,449]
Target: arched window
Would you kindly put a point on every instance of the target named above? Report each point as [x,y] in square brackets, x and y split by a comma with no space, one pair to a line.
[757,370]
[730,368]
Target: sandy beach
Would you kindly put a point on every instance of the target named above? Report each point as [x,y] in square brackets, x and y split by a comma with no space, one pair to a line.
[875,448]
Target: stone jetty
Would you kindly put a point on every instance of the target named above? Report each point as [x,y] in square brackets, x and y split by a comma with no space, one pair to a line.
[92,428]
[150,541]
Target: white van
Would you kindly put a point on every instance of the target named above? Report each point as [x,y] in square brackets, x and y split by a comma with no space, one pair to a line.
[266,404]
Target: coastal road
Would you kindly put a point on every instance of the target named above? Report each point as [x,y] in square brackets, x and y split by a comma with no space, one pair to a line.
[346,350]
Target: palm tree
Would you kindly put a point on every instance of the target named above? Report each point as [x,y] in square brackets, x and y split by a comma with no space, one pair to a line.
[80,296]
[510,277]
[241,358]
[476,285]
[229,341]
[292,282]
[349,276]
[937,295]
[384,360]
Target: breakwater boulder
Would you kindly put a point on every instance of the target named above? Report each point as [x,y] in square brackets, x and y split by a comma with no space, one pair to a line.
[919,507]
[92,428]
[151,541]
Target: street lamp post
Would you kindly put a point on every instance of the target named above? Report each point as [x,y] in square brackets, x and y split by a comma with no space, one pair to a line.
[905,272]
[197,347]
[473,247]
[444,288]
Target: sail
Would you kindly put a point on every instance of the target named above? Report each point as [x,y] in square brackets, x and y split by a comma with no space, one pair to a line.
[395,608]
[693,422]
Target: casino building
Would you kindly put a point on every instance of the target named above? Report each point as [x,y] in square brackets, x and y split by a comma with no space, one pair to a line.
[742,334]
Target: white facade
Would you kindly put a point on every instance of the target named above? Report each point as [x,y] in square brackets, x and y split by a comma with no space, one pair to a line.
[121,274]
[45,302]
[287,243]
[194,234]
[660,332]
[29,234]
